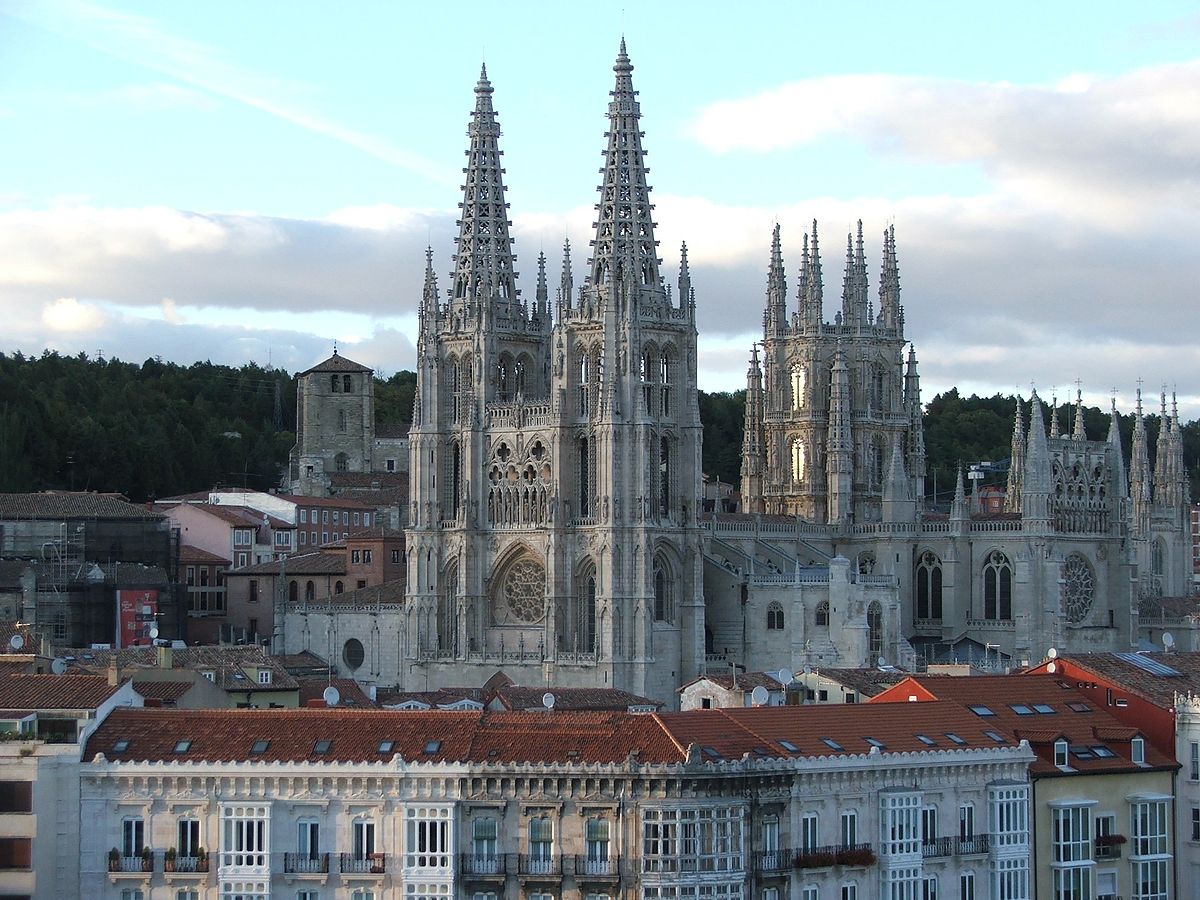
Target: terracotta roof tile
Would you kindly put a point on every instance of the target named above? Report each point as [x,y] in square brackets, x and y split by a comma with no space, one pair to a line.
[190,554]
[1158,689]
[742,681]
[568,698]
[45,692]
[352,694]
[167,691]
[71,505]
[226,663]
[298,564]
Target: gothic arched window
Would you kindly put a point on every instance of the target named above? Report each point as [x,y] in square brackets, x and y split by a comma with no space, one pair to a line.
[799,459]
[585,470]
[875,628]
[799,380]
[774,616]
[822,614]
[293,591]
[929,586]
[664,377]
[664,476]
[447,608]
[347,384]
[503,377]
[341,420]
[664,601]
[584,382]
[310,591]
[455,478]
[997,587]
[341,462]
[519,370]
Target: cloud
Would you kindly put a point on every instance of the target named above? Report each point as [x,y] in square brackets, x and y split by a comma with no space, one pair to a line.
[68,314]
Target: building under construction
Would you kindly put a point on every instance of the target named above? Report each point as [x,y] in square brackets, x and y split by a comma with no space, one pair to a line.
[88,568]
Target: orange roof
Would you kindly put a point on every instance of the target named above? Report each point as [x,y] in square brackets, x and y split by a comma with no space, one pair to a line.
[46,692]
[1040,709]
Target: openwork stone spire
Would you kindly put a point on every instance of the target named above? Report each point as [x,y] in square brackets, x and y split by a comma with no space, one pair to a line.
[624,247]
[483,264]
[776,286]
[889,282]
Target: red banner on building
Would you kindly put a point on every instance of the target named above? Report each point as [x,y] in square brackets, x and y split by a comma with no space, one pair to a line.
[137,613]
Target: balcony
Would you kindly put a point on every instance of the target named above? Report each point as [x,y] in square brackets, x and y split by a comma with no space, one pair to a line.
[186,865]
[539,864]
[976,843]
[306,863]
[370,864]
[589,868]
[765,862]
[493,866]
[833,855]
[937,848]
[127,865]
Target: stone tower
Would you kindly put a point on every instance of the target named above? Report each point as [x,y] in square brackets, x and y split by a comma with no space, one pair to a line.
[335,423]
[555,456]
[837,396]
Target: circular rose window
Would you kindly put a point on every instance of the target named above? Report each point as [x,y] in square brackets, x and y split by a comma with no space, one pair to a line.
[1078,589]
[524,590]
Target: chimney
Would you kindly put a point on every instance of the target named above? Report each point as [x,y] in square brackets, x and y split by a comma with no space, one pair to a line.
[166,656]
[114,671]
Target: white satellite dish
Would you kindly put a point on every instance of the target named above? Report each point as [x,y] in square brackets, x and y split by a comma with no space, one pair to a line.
[808,670]
[881,662]
[759,696]
[331,696]
[58,666]
[1051,667]
[548,700]
[1052,653]
[16,642]
[153,632]
[785,677]
[1168,640]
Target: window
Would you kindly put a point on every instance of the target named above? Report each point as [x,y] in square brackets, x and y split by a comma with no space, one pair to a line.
[335,384]
[810,892]
[364,838]
[395,556]
[822,615]
[1149,819]
[245,838]
[849,828]
[664,607]
[484,845]
[774,616]
[809,832]
[849,892]
[966,822]
[692,840]
[799,459]
[345,518]
[133,830]
[347,384]
[1010,878]
[191,576]
[997,587]
[929,587]
[1008,813]
[875,627]
[541,845]
[929,824]
[1060,753]
[596,835]
[428,838]
[966,886]
[1194,765]
[366,556]
[1138,750]
[901,823]
[325,517]
[308,839]
[253,590]
[189,894]
[770,842]
[132,894]
[929,888]
[187,839]
[353,653]
[391,465]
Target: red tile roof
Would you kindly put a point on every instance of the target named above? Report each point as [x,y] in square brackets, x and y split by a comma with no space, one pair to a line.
[166,691]
[1009,704]
[742,681]
[1158,689]
[48,692]
[567,698]
[190,554]
[351,695]
[297,564]
[71,505]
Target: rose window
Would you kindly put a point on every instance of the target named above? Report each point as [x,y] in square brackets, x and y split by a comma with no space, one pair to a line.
[1078,589]
[524,590]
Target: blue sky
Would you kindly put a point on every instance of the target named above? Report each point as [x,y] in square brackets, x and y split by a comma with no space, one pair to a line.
[250,181]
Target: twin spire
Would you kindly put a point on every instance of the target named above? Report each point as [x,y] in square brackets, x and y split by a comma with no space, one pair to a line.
[624,247]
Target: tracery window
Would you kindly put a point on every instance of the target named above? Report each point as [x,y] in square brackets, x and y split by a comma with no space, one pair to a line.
[799,379]
[664,389]
[875,627]
[997,587]
[822,614]
[799,459]
[523,590]
[774,616]
[1078,588]
[929,586]
[664,601]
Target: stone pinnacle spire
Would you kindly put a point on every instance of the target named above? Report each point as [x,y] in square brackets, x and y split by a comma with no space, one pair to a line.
[624,246]
[1016,466]
[566,284]
[1139,474]
[1078,433]
[543,306]
[685,277]
[483,263]
[754,455]
[1053,416]
[889,282]
[1114,441]
[427,309]
[811,299]
[776,287]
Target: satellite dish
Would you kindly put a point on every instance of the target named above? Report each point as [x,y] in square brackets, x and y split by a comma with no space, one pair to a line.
[58,666]
[785,677]
[759,696]
[331,696]
[548,700]
[1052,653]
[881,662]
[1051,667]
[1168,640]
[153,632]
[808,670]
[16,642]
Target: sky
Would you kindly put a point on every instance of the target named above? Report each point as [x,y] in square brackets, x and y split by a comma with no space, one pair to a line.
[254,181]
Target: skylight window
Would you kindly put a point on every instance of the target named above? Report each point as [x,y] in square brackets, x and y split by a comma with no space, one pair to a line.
[954,738]
[322,746]
[926,740]
[260,746]
[832,744]
[981,711]
[182,746]
[386,746]
[121,746]
[874,742]
[1076,706]
[997,737]
[789,746]
[1102,752]
[1044,708]
[1021,709]
[711,752]
[433,746]
[1083,753]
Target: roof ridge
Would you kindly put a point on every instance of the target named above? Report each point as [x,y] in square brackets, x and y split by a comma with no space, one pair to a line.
[682,750]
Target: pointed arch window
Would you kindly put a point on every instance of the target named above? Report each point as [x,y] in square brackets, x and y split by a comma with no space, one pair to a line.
[822,614]
[929,587]
[584,383]
[293,591]
[664,388]
[585,470]
[446,609]
[519,371]
[664,476]
[664,601]
[875,629]
[456,378]
[799,381]
[347,384]
[997,587]
[455,478]
[649,366]
[341,462]
[799,459]
[588,613]
[774,616]
[503,378]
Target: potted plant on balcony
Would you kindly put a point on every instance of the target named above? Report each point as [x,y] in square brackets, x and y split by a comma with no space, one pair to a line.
[856,856]
[1110,840]
[201,860]
[169,860]
[147,860]
[376,862]
[815,859]
[114,860]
